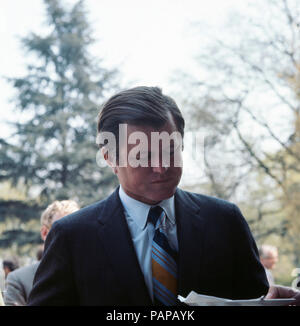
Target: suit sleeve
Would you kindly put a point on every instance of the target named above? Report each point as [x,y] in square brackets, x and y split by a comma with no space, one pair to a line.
[14,294]
[250,279]
[53,283]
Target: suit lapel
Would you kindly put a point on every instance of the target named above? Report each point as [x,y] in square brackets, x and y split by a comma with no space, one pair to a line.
[190,232]
[116,239]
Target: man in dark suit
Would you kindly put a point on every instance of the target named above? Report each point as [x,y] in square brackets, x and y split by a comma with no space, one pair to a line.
[149,241]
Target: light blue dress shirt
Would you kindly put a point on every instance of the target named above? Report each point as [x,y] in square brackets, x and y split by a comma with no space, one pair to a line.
[142,233]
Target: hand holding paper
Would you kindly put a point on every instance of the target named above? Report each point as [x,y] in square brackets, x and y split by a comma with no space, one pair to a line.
[279,291]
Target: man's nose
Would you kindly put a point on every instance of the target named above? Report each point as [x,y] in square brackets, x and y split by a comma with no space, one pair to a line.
[159,163]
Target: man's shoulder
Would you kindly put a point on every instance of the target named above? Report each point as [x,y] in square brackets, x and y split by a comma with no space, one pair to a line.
[201,200]
[84,215]
[212,209]
[22,272]
[88,214]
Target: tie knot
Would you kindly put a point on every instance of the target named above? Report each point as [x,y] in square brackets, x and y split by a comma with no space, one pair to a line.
[154,214]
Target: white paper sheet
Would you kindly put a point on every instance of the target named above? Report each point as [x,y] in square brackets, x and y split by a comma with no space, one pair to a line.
[195,299]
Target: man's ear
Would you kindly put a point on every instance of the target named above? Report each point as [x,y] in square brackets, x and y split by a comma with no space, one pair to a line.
[111,164]
[44,232]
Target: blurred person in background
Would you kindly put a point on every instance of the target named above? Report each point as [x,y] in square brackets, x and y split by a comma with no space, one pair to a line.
[268,257]
[1,299]
[19,283]
[296,282]
[9,265]
[39,253]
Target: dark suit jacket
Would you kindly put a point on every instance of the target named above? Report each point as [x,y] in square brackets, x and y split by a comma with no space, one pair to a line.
[90,259]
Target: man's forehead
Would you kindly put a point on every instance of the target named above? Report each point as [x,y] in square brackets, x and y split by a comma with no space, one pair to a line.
[168,126]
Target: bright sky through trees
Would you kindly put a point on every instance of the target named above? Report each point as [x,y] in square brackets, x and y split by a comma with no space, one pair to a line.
[145,40]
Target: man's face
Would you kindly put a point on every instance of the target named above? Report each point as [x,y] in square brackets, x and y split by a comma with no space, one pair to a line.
[270,261]
[151,184]
[6,271]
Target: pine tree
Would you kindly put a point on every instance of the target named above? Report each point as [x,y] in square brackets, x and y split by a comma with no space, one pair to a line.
[61,96]
[53,149]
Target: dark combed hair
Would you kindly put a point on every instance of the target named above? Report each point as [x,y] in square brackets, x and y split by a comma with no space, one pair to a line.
[10,264]
[139,106]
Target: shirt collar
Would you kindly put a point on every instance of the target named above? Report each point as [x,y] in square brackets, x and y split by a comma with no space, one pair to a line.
[139,211]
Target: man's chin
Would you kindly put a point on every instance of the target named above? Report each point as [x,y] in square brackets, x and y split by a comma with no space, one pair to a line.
[160,196]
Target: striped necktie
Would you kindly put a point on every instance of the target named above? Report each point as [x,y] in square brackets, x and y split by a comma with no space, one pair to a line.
[164,262]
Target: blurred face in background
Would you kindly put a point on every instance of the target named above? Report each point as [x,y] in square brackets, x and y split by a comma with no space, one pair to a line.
[270,260]
[9,266]
[6,271]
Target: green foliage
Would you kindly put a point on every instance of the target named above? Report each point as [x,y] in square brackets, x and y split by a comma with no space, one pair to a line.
[53,148]
[61,95]
[247,102]
[25,211]
[19,223]
[19,237]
